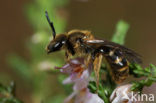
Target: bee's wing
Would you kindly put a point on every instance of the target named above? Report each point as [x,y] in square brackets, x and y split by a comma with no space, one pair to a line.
[131,55]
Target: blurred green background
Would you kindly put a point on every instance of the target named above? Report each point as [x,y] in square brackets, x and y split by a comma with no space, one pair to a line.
[24,33]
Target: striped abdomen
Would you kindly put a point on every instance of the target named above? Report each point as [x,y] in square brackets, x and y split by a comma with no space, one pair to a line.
[118,64]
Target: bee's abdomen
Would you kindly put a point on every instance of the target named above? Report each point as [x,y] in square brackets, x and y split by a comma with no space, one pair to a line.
[119,68]
[118,64]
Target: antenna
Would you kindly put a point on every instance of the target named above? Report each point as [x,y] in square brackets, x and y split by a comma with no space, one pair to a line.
[51,24]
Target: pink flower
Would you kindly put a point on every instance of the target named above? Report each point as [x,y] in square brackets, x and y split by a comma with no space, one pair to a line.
[80,77]
[78,74]
[84,96]
[74,68]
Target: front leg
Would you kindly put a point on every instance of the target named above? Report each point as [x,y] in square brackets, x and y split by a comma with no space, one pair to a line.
[87,61]
[68,56]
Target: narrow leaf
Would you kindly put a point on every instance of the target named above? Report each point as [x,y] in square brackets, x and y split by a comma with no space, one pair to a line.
[120,33]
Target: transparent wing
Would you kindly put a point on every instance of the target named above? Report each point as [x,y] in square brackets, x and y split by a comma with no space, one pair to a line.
[131,55]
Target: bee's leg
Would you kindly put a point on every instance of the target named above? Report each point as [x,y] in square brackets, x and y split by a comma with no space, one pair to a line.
[97,64]
[68,56]
[87,61]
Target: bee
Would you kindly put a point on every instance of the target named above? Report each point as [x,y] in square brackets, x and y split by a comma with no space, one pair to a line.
[82,43]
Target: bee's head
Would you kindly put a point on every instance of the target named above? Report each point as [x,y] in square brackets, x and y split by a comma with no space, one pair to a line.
[58,41]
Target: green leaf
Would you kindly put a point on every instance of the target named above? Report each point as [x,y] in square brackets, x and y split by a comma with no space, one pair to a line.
[106,86]
[148,72]
[120,33]
[8,94]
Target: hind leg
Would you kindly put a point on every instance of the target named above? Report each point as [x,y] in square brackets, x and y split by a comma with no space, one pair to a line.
[97,65]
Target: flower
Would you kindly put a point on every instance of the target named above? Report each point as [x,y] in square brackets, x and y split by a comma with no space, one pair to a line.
[123,94]
[80,77]
[84,96]
[78,74]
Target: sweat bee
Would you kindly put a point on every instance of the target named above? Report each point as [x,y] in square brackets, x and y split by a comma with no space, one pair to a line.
[83,43]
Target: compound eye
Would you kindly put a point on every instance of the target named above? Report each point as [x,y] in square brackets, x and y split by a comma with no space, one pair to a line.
[55,47]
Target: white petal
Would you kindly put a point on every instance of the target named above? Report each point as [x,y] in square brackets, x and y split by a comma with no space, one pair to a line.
[67,81]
